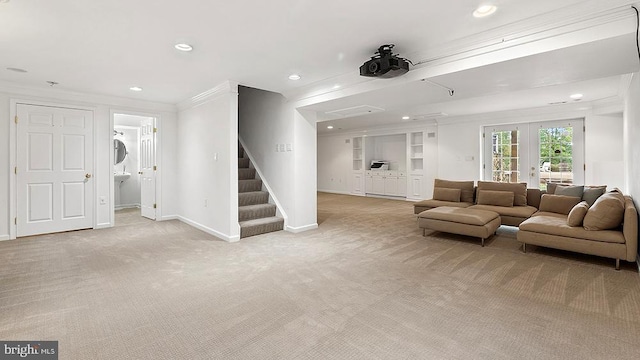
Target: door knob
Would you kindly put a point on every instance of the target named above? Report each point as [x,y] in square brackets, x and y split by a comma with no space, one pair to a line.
[88,176]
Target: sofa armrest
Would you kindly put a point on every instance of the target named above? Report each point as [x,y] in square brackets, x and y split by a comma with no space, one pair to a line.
[630,229]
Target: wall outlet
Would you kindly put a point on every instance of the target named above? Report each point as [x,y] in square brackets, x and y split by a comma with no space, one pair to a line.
[289,147]
[103,200]
[206,202]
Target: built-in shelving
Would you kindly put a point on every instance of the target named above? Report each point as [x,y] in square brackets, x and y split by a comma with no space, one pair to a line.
[416,151]
[357,148]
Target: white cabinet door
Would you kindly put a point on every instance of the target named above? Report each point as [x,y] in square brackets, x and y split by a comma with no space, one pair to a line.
[147,168]
[402,186]
[55,185]
[377,185]
[391,185]
[358,181]
[415,187]
[368,183]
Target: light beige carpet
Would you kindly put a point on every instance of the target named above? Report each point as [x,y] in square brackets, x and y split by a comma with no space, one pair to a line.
[365,285]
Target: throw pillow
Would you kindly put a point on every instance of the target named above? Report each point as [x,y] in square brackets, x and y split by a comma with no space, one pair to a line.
[592,193]
[497,198]
[559,204]
[444,194]
[576,215]
[466,188]
[606,213]
[573,190]
[519,190]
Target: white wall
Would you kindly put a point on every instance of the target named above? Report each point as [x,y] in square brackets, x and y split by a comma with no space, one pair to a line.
[335,164]
[130,188]
[459,143]
[631,126]
[604,151]
[207,159]
[103,176]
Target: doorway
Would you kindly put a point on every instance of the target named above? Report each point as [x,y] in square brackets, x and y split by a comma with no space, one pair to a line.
[134,168]
[535,153]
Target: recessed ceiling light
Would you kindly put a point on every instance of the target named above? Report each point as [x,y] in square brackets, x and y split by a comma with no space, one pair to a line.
[183,47]
[294,77]
[484,10]
[16,69]
[135,88]
[330,127]
[4,1]
[336,86]
[406,117]
[576,96]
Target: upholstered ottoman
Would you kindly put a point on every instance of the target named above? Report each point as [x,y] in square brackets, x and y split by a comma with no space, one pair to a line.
[462,221]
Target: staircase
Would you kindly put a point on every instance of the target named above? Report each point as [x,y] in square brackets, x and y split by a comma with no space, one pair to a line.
[255,214]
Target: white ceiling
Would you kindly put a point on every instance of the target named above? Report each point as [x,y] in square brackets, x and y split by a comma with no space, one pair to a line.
[105,47]
[593,69]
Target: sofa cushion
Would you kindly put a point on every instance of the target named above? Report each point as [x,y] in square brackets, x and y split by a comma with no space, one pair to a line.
[493,197]
[466,188]
[559,204]
[446,194]
[573,190]
[460,216]
[514,211]
[556,224]
[423,205]
[592,193]
[606,213]
[519,190]
[576,215]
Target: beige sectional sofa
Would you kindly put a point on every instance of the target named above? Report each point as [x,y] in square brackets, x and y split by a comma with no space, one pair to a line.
[574,218]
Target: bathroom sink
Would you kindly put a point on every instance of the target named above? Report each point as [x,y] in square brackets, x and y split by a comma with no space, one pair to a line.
[121,176]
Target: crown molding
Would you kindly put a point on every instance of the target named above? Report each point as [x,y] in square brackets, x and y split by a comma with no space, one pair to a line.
[48,94]
[227,87]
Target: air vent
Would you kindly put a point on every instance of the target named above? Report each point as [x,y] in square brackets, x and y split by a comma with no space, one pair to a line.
[355,111]
[429,116]
[431,135]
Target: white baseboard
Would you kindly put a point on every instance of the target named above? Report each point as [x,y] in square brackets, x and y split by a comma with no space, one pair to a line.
[300,229]
[337,192]
[209,230]
[127,206]
[103,226]
[170,217]
[386,197]
[5,237]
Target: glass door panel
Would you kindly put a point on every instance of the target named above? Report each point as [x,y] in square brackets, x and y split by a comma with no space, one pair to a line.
[506,152]
[558,151]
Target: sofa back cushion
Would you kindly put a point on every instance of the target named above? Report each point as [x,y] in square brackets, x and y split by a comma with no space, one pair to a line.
[533,197]
[445,194]
[572,190]
[576,215]
[592,193]
[558,204]
[519,190]
[606,213]
[466,188]
[494,197]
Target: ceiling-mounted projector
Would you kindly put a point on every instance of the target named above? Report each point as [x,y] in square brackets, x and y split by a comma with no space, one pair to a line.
[385,64]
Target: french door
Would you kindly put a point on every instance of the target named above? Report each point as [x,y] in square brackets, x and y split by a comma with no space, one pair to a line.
[535,153]
[54,176]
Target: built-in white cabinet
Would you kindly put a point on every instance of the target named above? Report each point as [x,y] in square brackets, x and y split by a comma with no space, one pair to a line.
[358,154]
[416,188]
[416,152]
[389,183]
[358,183]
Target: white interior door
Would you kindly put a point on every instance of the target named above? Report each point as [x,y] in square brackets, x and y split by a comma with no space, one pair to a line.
[54,176]
[147,168]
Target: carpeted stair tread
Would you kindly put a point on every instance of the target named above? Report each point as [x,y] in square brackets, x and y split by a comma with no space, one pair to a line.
[251,212]
[243,163]
[249,185]
[246,173]
[253,198]
[261,226]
